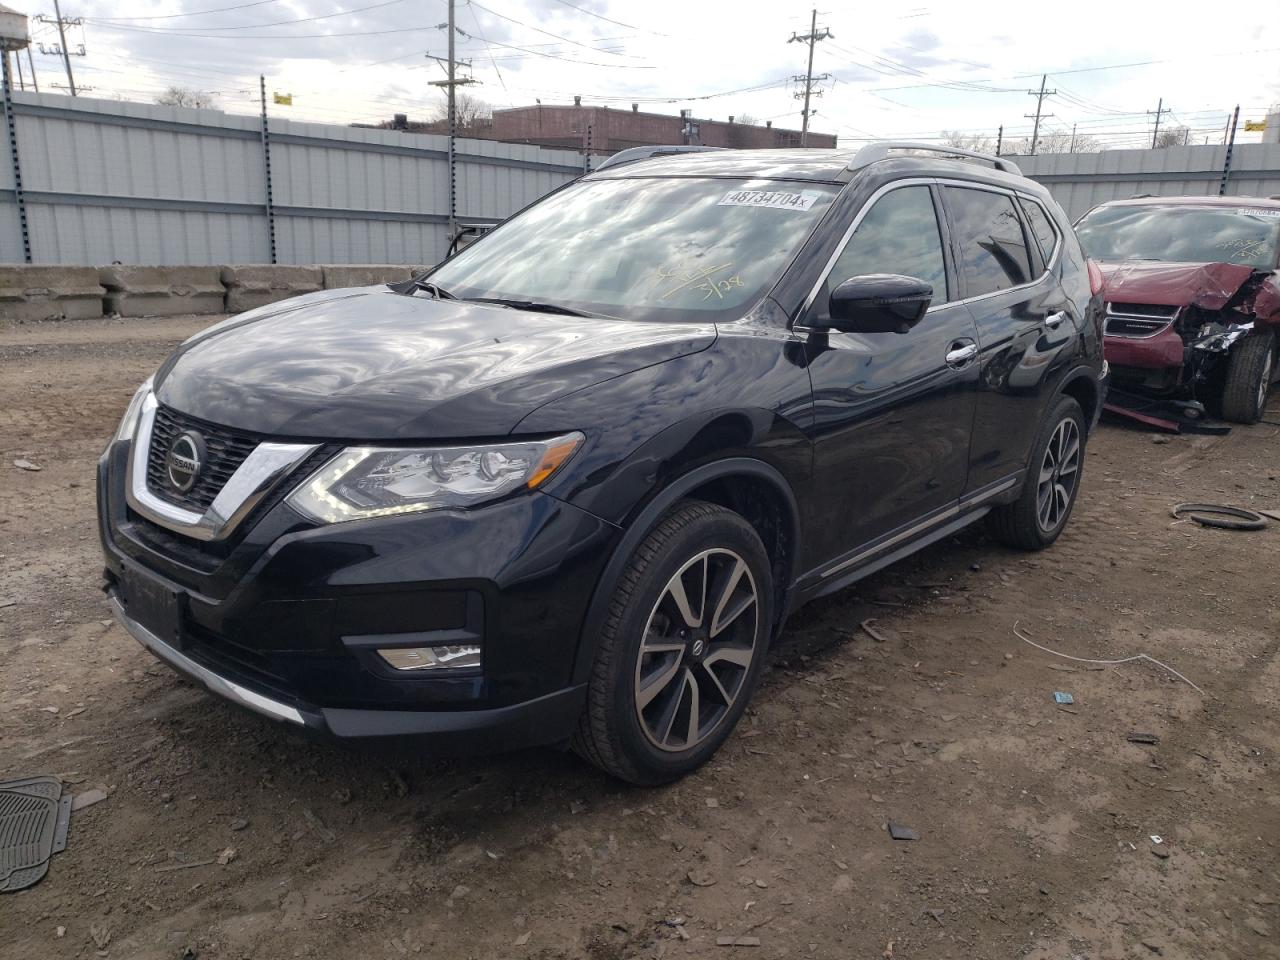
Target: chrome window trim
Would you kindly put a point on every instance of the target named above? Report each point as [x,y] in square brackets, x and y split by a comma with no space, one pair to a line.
[1050,262]
[261,471]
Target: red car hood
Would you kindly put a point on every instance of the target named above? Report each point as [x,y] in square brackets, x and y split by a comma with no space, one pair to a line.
[1206,285]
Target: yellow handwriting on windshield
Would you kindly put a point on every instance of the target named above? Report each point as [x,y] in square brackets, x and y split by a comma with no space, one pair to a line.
[687,277]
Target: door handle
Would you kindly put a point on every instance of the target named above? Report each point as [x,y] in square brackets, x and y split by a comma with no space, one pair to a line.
[1054,320]
[961,353]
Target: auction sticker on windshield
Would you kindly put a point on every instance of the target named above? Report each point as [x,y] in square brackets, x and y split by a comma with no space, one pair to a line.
[777,199]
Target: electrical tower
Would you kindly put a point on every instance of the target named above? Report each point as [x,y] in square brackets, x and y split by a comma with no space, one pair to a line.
[450,84]
[809,80]
[61,48]
[1159,111]
[1039,95]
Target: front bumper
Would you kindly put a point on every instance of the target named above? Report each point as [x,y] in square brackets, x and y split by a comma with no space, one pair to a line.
[547,719]
[286,617]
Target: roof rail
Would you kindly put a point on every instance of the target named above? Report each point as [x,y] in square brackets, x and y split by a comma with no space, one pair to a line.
[874,152]
[633,154]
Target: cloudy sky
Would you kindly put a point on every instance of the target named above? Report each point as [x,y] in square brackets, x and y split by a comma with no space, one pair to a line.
[895,69]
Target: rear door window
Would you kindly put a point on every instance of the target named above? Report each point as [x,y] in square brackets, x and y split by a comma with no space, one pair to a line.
[898,235]
[991,247]
[1041,228]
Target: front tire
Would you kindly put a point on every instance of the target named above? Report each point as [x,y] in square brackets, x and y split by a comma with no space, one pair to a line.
[1249,372]
[1037,517]
[681,649]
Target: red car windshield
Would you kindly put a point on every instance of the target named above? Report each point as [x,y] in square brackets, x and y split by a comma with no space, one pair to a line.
[1183,233]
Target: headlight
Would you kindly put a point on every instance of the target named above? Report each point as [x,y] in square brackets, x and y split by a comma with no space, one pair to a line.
[364,482]
[129,422]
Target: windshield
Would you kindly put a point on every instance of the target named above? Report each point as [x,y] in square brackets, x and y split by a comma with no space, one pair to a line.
[644,248]
[1183,234]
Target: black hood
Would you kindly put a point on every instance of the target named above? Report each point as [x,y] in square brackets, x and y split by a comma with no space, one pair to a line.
[369,364]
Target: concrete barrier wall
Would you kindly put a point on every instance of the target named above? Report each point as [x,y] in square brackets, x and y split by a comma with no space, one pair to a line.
[31,293]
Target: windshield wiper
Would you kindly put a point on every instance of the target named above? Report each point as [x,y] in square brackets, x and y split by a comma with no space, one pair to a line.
[535,306]
[437,291]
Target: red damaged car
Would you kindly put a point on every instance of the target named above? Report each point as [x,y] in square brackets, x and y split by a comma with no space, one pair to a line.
[1193,299]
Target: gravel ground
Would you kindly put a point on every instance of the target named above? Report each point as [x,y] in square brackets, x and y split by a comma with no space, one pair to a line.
[225,836]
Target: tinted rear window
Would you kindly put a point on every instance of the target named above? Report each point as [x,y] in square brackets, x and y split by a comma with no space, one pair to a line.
[1041,228]
[988,235]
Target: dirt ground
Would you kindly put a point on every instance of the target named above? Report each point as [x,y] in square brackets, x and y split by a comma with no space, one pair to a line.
[1035,821]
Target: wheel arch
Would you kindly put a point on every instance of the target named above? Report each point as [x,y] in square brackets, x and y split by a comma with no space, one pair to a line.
[1082,385]
[752,488]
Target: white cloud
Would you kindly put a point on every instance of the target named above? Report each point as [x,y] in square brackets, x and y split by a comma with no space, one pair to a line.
[897,71]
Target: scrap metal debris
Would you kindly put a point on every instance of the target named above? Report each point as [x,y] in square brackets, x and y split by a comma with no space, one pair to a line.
[871,632]
[1137,656]
[1060,697]
[898,832]
[1213,514]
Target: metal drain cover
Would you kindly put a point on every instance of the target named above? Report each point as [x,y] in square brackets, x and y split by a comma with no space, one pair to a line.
[34,817]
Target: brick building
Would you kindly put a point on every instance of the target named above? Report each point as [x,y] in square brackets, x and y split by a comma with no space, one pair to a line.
[605,130]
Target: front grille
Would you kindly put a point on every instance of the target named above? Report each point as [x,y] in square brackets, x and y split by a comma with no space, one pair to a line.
[1138,321]
[226,451]
[1158,311]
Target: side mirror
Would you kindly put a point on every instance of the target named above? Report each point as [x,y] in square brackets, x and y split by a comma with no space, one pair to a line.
[879,303]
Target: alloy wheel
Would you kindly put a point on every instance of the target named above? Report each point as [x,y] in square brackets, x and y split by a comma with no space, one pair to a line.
[697,650]
[1059,472]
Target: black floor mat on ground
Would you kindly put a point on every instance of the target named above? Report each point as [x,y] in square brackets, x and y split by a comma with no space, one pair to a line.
[34,817]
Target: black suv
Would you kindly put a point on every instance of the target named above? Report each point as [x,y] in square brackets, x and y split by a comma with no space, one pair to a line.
[566,487]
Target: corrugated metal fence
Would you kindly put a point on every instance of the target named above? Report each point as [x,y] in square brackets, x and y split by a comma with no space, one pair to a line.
[1078,181]
[108,181]
[140,183]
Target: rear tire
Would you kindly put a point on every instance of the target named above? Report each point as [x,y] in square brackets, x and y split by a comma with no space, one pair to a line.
[1038,516]
[1249,372]
[681,649]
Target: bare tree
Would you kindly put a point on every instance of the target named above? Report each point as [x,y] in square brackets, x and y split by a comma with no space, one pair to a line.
[177,96]
[1056,141]
[979,142]
[469,112]
[1172,137]
[748,120]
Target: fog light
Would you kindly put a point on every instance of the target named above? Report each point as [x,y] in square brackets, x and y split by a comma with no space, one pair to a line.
[432,658]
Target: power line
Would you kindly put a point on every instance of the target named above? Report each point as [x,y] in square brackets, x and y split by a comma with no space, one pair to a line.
[521,23]
[193,13]
[552,56]
[274,23]
[600,16]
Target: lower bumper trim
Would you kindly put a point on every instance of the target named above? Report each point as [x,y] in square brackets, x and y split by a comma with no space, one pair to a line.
[546,720]
[216,684]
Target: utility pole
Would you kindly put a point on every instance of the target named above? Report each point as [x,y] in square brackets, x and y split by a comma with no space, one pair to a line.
[1072,148]
[452,81]
[1231,142]
[1039,95]
[999,139]
[1159,112]
[62,24]
[809,80]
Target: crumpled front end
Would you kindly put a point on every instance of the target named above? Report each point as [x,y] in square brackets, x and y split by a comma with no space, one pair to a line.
[1170,325]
